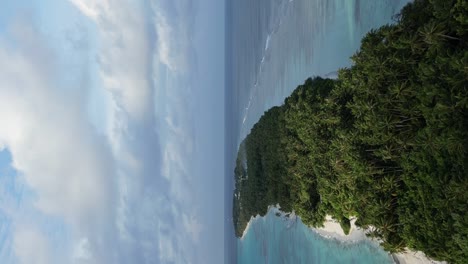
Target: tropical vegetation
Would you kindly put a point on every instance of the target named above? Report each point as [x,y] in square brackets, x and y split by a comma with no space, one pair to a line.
[387,141]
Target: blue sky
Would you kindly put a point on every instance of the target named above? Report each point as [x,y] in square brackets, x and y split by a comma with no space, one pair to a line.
[112,131]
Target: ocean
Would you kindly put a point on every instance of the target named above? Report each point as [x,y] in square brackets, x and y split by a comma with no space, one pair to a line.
[279,239]
[272,46]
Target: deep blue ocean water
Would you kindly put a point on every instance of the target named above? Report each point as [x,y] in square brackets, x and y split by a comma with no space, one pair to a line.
[271,47]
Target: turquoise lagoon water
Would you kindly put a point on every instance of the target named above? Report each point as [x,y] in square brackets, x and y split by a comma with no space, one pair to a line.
[273,239]
[271,47]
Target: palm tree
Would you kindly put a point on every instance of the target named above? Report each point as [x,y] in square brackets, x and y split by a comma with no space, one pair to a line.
[385,224]
[432,32]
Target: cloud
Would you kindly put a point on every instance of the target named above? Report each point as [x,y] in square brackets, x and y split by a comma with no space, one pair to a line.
[91,8]
[31,246]
[126,195]
[153,150]
[54,148]
[193,226]
[173,22]
[124,53]
[82,251]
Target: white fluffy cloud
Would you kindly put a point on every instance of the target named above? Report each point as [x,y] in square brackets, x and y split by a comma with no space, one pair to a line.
[126,196]
[153,150]
[124,51]
[54,148]
[173,24]
[52,144]
[31,246]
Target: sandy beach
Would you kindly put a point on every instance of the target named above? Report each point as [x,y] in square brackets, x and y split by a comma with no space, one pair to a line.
[417,257]
[333,230]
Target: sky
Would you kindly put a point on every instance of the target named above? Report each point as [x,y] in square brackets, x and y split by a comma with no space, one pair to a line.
[111,131]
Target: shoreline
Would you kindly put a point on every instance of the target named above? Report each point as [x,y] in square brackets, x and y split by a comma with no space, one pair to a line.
[252,218]
[276,209]
[332,230]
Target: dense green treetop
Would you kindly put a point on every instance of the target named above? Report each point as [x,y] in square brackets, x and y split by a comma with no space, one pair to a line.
[386,142]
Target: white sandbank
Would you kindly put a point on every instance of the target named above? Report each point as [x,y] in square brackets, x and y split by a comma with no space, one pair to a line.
[333,230]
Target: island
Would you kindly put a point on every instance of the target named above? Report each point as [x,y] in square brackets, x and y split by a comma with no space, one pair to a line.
[385,143]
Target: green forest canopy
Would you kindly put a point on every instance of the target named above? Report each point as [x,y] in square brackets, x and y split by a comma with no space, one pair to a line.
[386,142]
